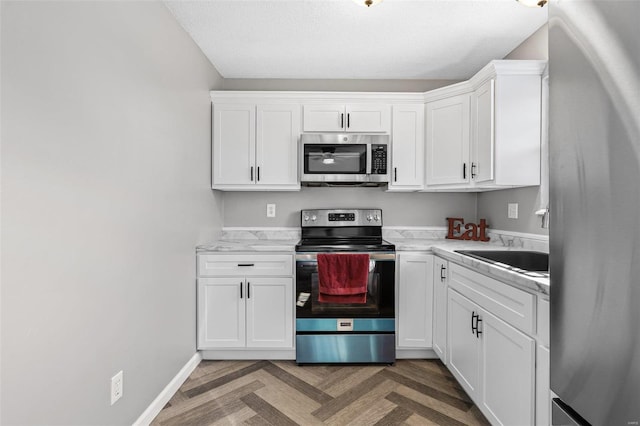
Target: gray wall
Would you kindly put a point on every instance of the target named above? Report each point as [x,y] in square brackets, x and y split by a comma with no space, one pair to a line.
[399,209]
[105,193]
[493,205]
[335,85]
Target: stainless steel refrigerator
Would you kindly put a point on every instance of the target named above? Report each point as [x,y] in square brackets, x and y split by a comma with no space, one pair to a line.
[594,140]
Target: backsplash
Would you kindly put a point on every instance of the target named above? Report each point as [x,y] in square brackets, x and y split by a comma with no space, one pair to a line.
[260,233]
[498,238]
[423,233]
[520,240]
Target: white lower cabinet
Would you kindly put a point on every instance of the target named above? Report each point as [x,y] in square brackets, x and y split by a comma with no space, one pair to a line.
[507,372]
[238,312]
[493,362]
[221,311]
[249,311]
[495,337]
[464,347]
[415,300]
[440,285]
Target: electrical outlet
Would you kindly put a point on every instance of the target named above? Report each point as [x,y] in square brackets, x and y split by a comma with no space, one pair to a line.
[116,387]
[512,211]
[271,210]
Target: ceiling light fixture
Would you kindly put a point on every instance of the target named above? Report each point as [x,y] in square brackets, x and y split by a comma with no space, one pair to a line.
[532,3]
[367,3]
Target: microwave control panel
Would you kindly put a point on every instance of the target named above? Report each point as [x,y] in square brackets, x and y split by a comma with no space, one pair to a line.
[378,159]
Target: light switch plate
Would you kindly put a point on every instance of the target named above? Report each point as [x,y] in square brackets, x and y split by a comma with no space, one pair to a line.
[117,387]
[271,210]
[512,212]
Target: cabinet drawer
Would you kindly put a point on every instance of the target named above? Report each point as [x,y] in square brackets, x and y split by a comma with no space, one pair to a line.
[514,306]
[245,265]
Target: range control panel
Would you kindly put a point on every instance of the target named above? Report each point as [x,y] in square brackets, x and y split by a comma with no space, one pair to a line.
[342,217]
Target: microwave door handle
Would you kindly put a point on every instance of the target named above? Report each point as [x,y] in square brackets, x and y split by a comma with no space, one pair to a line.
[369,159]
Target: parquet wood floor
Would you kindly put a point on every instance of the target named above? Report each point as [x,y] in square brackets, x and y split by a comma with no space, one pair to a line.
[411,392]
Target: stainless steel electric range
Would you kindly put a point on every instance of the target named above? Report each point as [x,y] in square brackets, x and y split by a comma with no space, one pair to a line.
[343,330]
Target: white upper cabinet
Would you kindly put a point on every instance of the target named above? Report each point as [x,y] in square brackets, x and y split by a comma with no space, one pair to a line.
[407,148]
[233,144]
[277,132]
[346,117]
[480,134]
[482,147]
[484,133]
[448,140]
[505,123]
[255,146]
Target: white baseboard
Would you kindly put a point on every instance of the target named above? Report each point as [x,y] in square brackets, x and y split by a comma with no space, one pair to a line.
[415,354]
[161,400]
[243,354]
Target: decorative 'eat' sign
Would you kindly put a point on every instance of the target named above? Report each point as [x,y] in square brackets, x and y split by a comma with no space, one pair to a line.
[471,231]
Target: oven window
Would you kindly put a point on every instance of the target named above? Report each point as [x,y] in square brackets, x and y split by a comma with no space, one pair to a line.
[379,300]
[370,306]
[336,159]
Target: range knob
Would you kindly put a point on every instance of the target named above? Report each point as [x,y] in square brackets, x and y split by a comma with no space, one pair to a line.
[313,218]
[306,218]
[369,218]
[376,218]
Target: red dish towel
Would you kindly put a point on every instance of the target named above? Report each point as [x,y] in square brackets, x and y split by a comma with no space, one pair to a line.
[343,278]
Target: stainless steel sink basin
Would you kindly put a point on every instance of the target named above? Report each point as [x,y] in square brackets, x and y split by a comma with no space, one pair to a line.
[526,260]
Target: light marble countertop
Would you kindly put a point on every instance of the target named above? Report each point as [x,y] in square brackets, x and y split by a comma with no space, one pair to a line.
[439,246]
[248,245]
[531,282]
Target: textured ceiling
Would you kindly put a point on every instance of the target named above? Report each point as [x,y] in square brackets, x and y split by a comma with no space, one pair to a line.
[337,39]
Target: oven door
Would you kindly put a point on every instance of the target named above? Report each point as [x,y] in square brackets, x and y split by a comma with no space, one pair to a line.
[338,333]
[379,301]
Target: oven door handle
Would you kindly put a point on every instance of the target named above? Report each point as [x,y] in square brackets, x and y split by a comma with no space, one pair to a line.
[372,256]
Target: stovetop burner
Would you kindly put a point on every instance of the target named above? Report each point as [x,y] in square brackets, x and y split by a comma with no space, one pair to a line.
[341,246]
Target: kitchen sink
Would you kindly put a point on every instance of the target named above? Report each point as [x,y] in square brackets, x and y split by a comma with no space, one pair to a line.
[526,260]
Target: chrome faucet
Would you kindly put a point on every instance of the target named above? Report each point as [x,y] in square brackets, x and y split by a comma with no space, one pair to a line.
[545,218]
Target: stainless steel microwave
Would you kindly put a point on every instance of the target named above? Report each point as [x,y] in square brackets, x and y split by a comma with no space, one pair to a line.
[338,159]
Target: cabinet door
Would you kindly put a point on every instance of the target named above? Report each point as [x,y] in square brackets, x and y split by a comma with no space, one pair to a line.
[324,118]
[508,372]
[463,344]
[543,390]
[407,141]
[233,144]
[367,118]
[415,300]
[277,131]
[440,281]
[448,141]
[269,312]
[482,122]
[221,313]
